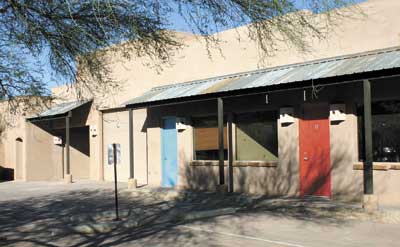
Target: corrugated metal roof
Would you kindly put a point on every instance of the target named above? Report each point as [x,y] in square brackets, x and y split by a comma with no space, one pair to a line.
[60,109]
[319,69]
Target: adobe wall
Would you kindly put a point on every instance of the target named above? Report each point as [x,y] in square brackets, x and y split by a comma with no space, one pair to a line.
[116,130]
[46,161]
[96,146]
[8,145]
[140,146]
[80,153]
[12,128]
[376,29]
[43,158]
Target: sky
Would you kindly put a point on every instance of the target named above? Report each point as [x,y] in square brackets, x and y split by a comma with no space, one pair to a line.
[52,79]
[179,25]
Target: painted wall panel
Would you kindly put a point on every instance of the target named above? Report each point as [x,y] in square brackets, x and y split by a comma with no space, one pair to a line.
[169,152]
[154,155]
[140,145]
[42,161]
[116,129]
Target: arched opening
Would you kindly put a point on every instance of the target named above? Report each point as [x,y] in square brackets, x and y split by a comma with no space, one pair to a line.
[18,158]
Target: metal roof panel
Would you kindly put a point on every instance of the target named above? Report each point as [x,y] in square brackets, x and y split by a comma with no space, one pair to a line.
[60,109]
[319,69]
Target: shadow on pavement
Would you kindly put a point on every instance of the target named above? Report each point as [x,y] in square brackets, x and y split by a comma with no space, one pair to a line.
[85,217]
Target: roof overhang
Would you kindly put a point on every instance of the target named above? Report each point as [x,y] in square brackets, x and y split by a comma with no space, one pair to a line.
[338,70]
[58,111]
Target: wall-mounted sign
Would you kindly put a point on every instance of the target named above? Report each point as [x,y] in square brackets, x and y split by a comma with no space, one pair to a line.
[111,154]
[93,130]
[181,123]
[57,140]
[286,115]
[337,112]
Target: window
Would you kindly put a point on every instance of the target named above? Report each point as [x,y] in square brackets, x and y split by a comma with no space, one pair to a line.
[206,138]
[385,131]
[257,136]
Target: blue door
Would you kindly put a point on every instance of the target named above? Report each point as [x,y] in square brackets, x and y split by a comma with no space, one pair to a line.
[169,152]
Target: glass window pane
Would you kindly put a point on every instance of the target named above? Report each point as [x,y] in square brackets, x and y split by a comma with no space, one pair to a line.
[385,131]
[256,137]
[386,137]
[206,138]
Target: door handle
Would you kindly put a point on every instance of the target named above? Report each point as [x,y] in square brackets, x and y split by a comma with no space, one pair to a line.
[305,156]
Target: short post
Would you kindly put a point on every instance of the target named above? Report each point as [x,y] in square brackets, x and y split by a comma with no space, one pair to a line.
[115,181]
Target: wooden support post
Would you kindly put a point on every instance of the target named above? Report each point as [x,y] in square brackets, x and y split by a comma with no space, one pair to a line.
[230,152]
[68,177]
[132,182]
[115,181]
[221,141]
[131,154]
[368,163]
[101,147]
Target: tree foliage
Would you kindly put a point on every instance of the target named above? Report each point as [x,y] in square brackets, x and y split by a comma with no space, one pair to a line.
[66,31]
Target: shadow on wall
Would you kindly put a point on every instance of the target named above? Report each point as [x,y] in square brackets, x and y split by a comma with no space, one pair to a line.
[347,184]
[278,181]
[268,181]
[79,132]
[79,137]
[6,174]
[284,179]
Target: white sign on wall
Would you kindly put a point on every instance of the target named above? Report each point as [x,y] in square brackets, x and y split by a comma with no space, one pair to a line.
[111,154]
[286,115]
[57,140]
[337,112]
[93,130]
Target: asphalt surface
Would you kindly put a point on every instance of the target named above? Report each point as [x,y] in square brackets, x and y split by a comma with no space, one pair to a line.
[49,214]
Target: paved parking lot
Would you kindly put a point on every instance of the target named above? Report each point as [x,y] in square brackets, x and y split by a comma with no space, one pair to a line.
[81,214]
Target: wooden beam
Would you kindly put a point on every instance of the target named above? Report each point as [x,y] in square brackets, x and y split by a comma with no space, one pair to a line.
[230,152]
[368,163]
[67,143]
[131,147]
[221,140]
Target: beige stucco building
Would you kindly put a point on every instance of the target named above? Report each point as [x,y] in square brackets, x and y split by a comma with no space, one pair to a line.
[280,137]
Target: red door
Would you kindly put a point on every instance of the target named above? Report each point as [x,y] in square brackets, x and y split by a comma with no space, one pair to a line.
[315,177]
